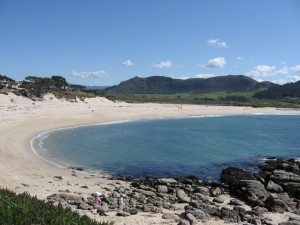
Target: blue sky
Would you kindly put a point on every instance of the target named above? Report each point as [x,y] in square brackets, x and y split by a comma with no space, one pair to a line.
[104,42]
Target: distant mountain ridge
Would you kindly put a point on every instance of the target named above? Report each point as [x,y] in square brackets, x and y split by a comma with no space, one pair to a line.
[167,85]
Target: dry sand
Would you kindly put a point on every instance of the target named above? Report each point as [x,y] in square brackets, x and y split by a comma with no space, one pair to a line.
[22,119]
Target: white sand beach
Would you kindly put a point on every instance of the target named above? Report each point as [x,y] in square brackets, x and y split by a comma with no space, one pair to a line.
[22,119]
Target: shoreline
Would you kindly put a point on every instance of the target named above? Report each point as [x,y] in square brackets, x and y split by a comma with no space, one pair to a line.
[22,120]
[37,147]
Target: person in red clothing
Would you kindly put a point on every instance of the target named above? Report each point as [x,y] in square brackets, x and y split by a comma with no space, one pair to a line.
[97,196]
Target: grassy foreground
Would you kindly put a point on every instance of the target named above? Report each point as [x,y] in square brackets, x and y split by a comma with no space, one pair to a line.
[24,209]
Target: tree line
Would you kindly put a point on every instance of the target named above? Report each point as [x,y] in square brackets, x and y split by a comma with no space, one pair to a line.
[39,86]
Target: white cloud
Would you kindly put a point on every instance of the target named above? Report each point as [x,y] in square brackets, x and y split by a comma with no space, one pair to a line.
[283,70]
[184,78]
[205,75]
[239,58]
[96,74]
[265,69]
[261,71]
[294,78]
[289,79]
[218,43]
[216,63]
[128,63]
[296,68]
[280,81]
[164,64]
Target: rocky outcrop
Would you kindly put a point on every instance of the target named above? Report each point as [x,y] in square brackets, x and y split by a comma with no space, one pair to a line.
[272,189]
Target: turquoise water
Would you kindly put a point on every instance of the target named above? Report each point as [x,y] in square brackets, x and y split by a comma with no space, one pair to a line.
[200,146]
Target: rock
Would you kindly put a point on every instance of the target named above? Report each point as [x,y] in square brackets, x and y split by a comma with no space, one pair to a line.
[294,218]
[71,198]
[259,211]
[230,216]
[202,190]
[167,205]
[105,207]
[147,193]
[197,205]
[232,176]
[133,211]
[123,214]
[215,191]
[241,211]
[191,219]
[281,176]
[184,200]
[293,189]
[59,177]
[290,222]
[274,204]
[132,202]
[214,211]
[167,181]
[235,202]
[184,222]
[256,221]
[197,213]
[268,221]
[218,200]
[273,187]
[84,206]
[180,193]
[170,216]
[253,192]
[146,208]
[162,189]
[101,212]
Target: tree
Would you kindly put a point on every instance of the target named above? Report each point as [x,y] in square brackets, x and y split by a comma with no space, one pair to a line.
[38,85]
[60,82]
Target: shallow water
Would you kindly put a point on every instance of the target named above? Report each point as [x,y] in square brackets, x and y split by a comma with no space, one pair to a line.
[200,146]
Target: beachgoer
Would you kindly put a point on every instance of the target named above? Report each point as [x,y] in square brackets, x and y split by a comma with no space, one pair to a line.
[97,196]
[121,201]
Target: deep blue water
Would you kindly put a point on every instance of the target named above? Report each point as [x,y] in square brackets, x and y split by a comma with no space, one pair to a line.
[200,146]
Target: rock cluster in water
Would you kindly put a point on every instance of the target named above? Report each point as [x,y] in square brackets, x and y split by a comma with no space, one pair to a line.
[276,188]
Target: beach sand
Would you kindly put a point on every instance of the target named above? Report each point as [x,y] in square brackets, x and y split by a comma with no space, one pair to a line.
[21,119]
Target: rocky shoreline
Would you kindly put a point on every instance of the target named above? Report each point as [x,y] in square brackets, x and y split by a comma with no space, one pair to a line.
[275,188]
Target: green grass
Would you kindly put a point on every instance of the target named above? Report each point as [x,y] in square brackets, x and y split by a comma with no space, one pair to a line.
[25,209]
[215,98]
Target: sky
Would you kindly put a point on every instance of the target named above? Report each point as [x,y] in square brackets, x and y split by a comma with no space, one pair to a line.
[105,42]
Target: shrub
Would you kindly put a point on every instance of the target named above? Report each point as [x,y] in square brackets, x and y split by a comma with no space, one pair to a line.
[25,209]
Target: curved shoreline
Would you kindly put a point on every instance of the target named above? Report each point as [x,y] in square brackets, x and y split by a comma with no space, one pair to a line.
[22,171]
[38,147]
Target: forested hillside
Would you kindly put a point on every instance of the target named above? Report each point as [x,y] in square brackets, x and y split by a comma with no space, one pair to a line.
[166,85]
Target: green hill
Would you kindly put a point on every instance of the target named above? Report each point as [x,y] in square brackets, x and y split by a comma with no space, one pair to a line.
[166,85]
[291,90]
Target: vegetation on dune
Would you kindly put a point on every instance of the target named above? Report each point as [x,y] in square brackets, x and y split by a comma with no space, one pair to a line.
[25,209]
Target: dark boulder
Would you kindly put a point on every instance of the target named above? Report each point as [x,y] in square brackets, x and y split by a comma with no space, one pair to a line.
[232,177]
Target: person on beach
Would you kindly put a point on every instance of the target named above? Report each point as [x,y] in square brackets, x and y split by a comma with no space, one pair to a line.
[121,202]
[98,197]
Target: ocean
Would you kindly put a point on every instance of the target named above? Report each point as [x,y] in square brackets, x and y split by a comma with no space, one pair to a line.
[172,147]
